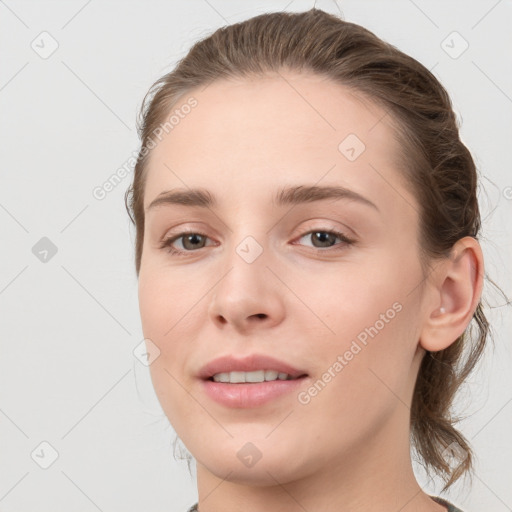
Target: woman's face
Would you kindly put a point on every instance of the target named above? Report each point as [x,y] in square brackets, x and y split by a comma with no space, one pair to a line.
[266,277]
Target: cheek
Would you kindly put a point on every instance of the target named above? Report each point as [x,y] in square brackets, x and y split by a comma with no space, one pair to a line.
[343,301]
[164,300]
[358,385]
[172,310]
[364,316]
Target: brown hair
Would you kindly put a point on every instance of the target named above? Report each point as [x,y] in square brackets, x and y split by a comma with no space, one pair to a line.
[437,165]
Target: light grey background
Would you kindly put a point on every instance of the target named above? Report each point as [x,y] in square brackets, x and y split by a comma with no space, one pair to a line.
[69,325]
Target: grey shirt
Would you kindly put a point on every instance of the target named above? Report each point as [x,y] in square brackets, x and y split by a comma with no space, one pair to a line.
[450,507]
[441,501]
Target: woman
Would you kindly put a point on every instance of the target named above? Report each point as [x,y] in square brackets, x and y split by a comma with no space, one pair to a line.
[308,267]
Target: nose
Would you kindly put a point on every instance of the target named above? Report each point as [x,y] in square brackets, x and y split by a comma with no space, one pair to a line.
[248,296]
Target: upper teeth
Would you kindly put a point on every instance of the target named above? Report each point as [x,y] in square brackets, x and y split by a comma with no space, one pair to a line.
[256,376]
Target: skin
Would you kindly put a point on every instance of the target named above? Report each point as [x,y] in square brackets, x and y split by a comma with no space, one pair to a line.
[348,448]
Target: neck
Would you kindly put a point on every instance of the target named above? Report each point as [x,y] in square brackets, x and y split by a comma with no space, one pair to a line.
[376,476]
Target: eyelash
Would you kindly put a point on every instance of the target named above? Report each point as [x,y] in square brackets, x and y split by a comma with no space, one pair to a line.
[167,243]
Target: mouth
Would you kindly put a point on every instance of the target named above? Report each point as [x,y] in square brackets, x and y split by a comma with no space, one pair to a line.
[238,392]
[251,368]
[253,377]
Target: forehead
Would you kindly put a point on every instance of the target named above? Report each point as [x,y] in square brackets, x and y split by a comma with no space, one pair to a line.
[283,127]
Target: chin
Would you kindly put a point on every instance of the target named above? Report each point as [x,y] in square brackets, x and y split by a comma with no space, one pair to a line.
[245,463]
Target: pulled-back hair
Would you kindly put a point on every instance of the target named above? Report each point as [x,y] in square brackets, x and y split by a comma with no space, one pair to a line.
[436,165]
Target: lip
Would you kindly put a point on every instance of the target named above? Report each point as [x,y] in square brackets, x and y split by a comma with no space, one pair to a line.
[249,363]
[244,396]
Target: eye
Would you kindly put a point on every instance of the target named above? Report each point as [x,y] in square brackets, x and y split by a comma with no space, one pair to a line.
[191,240]
[327,238]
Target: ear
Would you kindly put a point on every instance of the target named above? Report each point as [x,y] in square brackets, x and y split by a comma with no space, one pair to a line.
[458,283]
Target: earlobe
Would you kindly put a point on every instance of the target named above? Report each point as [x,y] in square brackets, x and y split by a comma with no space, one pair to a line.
[457,292]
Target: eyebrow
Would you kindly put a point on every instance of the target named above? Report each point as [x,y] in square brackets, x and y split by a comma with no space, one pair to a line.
[294,195]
